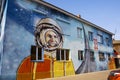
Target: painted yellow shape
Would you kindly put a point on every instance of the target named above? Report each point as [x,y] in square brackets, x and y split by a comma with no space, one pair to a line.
[70,68]
[58,69]
[62,68]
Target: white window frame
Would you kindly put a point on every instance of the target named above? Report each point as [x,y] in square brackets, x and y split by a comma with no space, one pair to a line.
[90,34]
[100,38]
[79,32]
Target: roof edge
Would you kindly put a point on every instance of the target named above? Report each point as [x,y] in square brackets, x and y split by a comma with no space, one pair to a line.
[71,15]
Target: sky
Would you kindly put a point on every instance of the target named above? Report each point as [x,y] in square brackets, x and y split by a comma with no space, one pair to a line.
[104,13]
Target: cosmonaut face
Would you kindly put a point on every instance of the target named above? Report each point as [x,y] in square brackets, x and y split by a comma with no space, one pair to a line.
[48,34]
[52,38]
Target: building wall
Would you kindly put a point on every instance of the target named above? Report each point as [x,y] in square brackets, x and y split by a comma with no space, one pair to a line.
[22,19]
[116,46]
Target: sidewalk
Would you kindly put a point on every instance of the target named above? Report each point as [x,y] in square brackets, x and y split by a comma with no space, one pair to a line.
[100,75]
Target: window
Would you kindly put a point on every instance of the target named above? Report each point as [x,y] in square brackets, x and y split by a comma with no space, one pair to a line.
[79,32]
[62,54]
[101,56]
[90,34]
[109,56]
[100,39]
[80,55]
[92,58]
[107,41]
[36,53]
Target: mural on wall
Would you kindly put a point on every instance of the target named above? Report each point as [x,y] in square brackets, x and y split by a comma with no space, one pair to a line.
[40,42]
[48,35]
[87,65]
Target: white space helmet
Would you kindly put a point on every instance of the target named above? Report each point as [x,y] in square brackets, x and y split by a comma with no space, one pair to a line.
[48,26]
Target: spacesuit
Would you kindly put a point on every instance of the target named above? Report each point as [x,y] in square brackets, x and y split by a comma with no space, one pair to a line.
[48,35]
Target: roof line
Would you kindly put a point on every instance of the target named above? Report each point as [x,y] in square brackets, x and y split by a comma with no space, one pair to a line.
[71,15]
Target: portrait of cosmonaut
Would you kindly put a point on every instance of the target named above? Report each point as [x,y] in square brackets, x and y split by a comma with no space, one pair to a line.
[48,34]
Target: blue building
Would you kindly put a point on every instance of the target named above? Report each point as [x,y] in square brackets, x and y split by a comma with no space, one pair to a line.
[34,32]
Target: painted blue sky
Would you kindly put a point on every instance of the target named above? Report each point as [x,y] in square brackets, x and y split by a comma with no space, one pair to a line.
[104,13]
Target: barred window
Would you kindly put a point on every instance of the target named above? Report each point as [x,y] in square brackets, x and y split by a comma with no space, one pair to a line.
[36,53]
[62,54]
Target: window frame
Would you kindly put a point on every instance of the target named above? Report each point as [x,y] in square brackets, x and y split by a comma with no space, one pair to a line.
[92,56]
[107,41]
[101,56]
[108,56]
[37,54]
[100,38]
[79,32]
[90,34]
[62,54]
[80,55]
